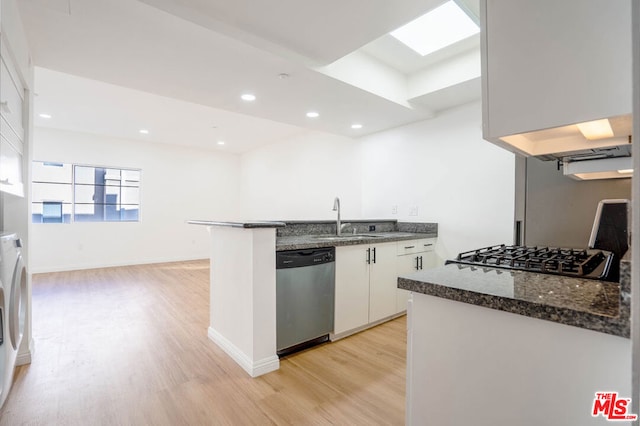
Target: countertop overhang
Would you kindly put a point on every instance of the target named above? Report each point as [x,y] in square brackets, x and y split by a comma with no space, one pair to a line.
[251,224]
[590,304]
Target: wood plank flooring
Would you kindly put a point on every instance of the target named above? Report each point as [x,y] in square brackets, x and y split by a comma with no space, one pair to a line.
[129,346]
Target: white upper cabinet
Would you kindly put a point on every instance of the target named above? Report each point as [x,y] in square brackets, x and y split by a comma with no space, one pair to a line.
[550,64]
[11,128]
[11,99]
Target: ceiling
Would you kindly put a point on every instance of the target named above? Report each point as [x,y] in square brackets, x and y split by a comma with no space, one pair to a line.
[178,68]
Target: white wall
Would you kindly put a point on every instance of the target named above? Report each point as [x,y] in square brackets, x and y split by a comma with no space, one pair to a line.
[297,179]
[435,165]
[444,168]
[178,184]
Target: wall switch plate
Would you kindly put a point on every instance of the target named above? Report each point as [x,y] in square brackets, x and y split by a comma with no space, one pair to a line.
[394,209]
[413,211]
[372,228]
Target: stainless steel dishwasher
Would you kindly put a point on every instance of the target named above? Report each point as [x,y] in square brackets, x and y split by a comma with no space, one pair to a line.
[305,289]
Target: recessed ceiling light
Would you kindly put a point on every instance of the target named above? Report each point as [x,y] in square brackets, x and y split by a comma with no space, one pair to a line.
[597,129]
[144,131]
[356,126]
[45,115]
[249,97]
[220,142]
[313,114]
[441,27]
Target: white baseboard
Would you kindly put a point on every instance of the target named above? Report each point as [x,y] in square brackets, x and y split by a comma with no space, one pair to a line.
[333,336]
[24,358]
[254,368]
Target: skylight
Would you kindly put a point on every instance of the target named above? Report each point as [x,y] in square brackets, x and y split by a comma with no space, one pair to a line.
[441,27]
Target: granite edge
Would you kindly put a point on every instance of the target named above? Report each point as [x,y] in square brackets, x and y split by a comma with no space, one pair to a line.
[250,224]
[310,242]
[617,326]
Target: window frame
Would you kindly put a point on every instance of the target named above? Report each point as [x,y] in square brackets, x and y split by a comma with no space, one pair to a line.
[73,183]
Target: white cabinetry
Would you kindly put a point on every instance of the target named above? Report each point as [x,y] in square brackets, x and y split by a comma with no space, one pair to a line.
[11,128]
[383,282]
[365,285]
[412,256]
[352,288]
[550,63]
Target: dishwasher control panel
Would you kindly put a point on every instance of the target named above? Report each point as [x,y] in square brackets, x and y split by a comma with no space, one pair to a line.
[305,257]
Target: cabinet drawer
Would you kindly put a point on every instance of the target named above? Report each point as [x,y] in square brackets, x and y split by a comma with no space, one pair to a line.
[11,100]
[415,246]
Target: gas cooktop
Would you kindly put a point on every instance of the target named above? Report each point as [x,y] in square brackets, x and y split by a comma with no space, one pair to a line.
[580,263]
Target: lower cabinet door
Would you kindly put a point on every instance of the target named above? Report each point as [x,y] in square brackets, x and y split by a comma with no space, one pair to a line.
[407,264]
[411,263]
[383,281]
[352,288]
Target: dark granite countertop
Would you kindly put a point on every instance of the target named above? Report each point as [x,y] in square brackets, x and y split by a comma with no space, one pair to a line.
[296,235]
[249,224]
[326,240]
[590,304]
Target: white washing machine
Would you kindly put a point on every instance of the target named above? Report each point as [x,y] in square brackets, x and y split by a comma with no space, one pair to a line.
[13,309]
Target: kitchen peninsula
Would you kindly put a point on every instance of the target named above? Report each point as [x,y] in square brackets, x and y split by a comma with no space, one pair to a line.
[243,276]
[242,297]
[488,346]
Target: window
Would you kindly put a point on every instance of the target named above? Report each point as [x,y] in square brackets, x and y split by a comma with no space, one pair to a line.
[52,193]
[106,194]
[85,193]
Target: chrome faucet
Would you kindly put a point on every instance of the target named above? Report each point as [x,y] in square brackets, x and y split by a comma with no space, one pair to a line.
[336,208]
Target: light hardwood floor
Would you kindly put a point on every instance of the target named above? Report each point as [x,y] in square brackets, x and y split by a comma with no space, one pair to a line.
[129,346]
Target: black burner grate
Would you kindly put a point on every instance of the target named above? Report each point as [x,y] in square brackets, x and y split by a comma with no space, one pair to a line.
[583,263]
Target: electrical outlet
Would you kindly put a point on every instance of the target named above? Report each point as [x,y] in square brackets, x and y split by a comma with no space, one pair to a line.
[413,211]
[394,209]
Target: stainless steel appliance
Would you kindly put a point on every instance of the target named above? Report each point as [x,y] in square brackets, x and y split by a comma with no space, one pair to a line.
[601,260]
[585,263]
[305,289]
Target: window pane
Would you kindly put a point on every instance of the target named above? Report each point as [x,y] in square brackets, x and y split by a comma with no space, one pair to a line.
[112,176]
[130,196]
[52,212]
[48,212]
[51,172]
[111,194]
[85,194]
[85,174]
[130,213]
[51,192]
[85,209]
[105,212]
[131,177]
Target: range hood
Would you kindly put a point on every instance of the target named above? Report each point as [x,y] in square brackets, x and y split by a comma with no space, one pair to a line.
[612,162]
[604,168]
[582,155]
